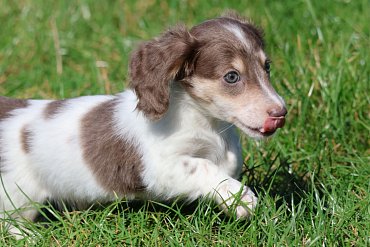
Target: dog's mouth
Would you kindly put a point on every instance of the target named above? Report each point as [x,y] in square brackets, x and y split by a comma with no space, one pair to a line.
[273,123]
[259,132]
[269,127]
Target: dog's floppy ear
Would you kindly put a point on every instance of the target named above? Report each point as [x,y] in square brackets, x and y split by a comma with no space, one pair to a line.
[155,64]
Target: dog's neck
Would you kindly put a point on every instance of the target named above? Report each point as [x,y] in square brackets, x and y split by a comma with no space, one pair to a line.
[184,114]
[187,111]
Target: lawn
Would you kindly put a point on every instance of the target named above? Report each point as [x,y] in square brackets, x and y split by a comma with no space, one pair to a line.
[312,178]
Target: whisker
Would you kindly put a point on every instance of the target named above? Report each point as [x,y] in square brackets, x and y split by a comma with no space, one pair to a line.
[226,128]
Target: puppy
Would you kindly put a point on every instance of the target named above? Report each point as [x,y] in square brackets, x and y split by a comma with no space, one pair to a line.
[171,134]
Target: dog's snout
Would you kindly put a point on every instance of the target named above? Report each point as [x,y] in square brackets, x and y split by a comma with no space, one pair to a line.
[277,112]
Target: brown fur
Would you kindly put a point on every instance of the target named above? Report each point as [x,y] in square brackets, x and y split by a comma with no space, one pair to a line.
[26,139]
[221,48]
[154,64]
[53,108]
[114,160]
[7,105]
[221,52]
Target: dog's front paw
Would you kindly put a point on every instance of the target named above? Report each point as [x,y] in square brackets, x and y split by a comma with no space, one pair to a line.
[247,203]
[237,200]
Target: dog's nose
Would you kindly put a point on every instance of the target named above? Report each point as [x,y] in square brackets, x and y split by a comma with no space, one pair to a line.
[277,112]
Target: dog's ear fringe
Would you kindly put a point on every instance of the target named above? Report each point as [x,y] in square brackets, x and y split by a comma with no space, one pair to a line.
[155,64]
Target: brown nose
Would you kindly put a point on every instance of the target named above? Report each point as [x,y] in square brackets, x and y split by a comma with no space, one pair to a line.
[277,112]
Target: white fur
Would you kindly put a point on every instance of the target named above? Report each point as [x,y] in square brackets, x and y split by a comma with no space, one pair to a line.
[269,91]
[238,33]
[55,167]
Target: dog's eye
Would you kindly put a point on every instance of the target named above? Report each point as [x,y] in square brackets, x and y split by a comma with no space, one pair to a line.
[268,66]
[232,77]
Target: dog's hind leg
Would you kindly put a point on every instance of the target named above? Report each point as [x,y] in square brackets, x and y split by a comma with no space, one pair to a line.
[19,197]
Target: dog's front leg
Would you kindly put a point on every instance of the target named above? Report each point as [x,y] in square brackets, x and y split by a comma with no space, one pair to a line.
[197,177]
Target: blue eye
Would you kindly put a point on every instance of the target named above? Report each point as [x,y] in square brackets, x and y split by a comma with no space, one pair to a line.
[232,77]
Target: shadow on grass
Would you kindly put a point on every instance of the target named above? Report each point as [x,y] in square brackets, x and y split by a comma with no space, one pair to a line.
[172,209]
[279,181]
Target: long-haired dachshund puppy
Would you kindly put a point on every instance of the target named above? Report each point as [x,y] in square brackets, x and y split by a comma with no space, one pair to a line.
[171,134]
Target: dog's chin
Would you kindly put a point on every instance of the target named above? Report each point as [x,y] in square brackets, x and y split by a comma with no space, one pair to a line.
[255,133]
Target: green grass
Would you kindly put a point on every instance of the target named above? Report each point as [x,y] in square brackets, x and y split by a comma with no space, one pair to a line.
[312,178]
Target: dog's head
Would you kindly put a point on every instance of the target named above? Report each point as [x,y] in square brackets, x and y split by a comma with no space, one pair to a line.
[221,64]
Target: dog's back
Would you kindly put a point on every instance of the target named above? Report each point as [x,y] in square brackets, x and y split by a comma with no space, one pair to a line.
[7,105]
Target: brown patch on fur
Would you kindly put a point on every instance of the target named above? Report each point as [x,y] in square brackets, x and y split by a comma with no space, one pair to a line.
[7,105]
[53,108]
[26,139]
[115,161]
[193,170]
[221,52]
[221,48]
